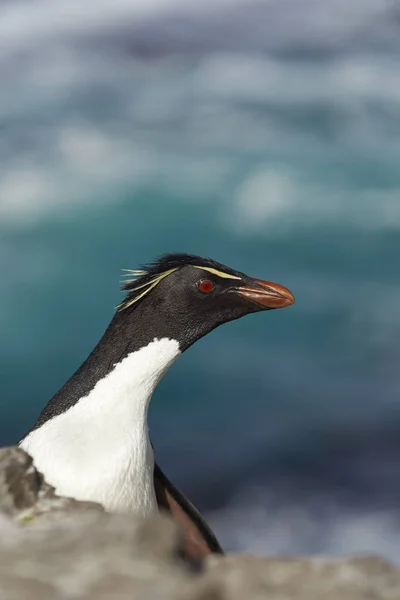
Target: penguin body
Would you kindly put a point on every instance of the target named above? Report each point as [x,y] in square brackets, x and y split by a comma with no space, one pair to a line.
[91,441]
[102,442]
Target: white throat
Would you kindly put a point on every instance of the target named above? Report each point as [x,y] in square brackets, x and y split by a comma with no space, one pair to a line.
[99,449]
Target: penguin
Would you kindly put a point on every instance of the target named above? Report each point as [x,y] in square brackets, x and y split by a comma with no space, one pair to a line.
[91,441]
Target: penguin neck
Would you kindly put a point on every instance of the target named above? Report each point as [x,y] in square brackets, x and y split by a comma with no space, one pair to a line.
[91,442]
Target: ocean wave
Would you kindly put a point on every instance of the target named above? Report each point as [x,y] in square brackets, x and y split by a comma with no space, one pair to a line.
[90,123]
[265,523]
[284,198]
[246,150]
[92,169]
[23,24]
[288,26]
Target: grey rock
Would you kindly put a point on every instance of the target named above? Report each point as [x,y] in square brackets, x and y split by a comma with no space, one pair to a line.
[55,548]
[95,555]
[81,551]
[353,578]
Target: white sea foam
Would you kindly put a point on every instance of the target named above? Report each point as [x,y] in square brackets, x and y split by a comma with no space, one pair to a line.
[287,199]
[24,23]
[263,523]
[281,22]
[231,125]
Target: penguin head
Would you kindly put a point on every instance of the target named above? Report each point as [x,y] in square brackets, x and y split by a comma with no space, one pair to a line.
[186,296]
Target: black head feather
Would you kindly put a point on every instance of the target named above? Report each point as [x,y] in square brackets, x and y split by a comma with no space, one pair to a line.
[149,273]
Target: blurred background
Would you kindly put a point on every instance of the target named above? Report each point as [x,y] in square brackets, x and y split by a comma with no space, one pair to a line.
[265,134]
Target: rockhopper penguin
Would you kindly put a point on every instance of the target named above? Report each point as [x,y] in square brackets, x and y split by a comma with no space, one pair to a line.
[91,441]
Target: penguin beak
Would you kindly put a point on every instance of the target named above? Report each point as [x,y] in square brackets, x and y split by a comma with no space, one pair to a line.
[267,294]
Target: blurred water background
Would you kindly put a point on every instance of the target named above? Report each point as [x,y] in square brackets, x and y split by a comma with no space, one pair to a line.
[266,135]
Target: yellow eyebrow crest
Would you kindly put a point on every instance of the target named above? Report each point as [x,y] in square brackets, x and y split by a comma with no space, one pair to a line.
[145,288]
[216,272]
[135,272]
[148,286]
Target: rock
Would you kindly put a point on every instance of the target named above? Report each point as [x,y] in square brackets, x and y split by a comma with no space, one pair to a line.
[95,556]
[357,578]
[60,549]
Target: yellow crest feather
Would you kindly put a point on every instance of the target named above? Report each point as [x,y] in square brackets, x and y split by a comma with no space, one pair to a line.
[216,272]
[147,287]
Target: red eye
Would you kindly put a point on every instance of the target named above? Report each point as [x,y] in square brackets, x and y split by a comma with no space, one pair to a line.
[206,286]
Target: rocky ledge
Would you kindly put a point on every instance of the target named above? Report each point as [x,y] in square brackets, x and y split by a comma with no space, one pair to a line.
[55,548]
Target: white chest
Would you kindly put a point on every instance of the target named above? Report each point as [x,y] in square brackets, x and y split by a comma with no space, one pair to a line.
[99,449]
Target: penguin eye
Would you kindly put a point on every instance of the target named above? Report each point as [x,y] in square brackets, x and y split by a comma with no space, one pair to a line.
[206,286]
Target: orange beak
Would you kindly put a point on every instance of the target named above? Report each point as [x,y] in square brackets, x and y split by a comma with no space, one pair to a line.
[267,294]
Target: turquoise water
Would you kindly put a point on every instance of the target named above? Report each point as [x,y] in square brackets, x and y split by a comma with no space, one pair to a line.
[273,150]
